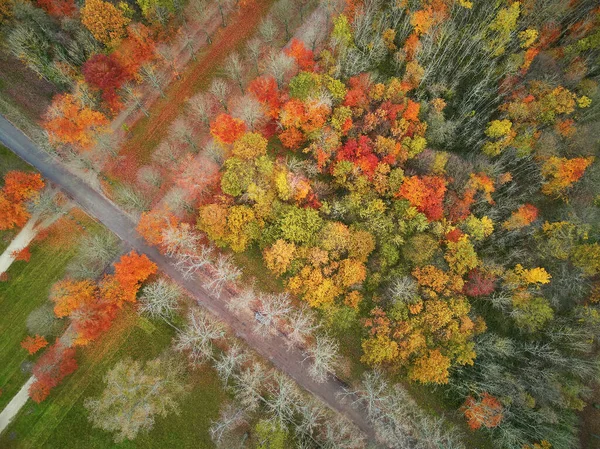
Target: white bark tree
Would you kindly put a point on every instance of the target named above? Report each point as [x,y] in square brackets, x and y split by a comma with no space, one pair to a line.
[160,299]
[324,355]
[225,272]
[196,337]
[189,264]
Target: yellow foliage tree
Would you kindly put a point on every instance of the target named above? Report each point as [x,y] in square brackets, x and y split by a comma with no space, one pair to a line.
[106,22]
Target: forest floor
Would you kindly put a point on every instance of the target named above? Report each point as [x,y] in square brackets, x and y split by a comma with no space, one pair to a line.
[61,420]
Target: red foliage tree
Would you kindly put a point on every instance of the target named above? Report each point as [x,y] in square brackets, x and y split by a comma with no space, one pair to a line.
[479,283]
[265,89]
[49,371]
[227,129]
[92,319]
[426,193]
[360,153]
[23,254]
[135,50]
[107,74]
[58,8]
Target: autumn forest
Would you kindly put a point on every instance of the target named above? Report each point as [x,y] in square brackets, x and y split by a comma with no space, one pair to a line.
[300,224]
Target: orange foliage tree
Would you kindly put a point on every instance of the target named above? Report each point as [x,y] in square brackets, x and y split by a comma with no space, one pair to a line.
[104,20]
[426,193]
[227,129]
[19,187]
[33,344]
[561,173]
[303,56]
[523,216]
[486,412]
[69,121]
[69,295]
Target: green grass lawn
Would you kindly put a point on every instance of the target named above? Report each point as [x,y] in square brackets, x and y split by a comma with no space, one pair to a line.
[26,289]
[61,420]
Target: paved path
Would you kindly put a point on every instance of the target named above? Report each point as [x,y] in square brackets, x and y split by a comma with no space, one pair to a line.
[98,206]
[15,404]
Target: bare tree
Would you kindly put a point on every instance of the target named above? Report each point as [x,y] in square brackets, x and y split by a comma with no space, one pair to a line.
[325,355]
[160,299]
[199,106]
[224,8]
[131,199]
[167,153]
[154,78]
[134,97]
[180,239]
[189,264]
[273,308]
[214,152]
[249,386]
[253,50]
[282,11]
[135,394]
[177,200]
[268,30]
[181,130]
[235,70]
[278,65]
[230,418]
[340,433]
[149,176]
[283,399]
[225,272]
[244,299]
[197,336]
[230,362]
[220,89]
[302,324]
[249,110]
[169,55]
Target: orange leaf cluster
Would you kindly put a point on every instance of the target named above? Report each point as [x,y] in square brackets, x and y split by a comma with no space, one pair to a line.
[486,412]
[34,344]
[426,193]
[19,187]
[70,121]
[561,173]
[227,129]
[523,216]
[303,56]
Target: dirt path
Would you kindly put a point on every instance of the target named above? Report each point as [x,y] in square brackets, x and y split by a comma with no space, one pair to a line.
[292,362]
[151,130]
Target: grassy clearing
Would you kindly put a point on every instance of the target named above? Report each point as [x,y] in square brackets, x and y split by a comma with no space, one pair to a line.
[61,421]
[27,288]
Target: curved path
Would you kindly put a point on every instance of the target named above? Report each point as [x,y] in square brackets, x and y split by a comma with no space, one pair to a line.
[98,206]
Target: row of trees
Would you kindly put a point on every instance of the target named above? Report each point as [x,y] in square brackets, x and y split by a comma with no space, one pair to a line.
[91,308]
